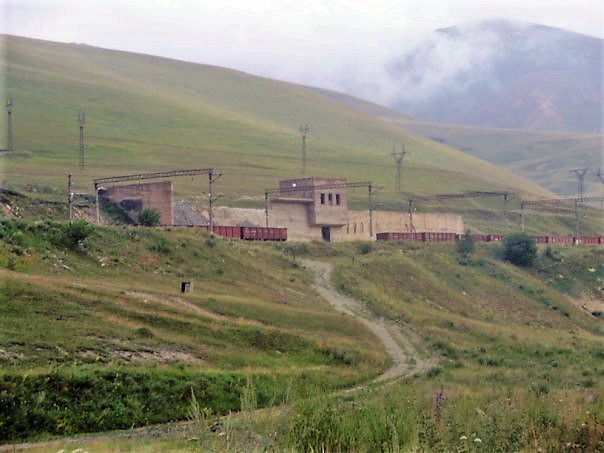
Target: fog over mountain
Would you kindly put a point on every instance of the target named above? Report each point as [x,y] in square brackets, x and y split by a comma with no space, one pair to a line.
[502,74]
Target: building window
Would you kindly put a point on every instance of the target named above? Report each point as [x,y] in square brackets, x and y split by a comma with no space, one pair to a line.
[330,198]
[347,228]
[361,227]
[338,199]
[322,198]
[354,227]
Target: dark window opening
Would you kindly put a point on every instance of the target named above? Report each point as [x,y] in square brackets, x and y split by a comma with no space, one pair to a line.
[338,199]
[330,198]
[322,198]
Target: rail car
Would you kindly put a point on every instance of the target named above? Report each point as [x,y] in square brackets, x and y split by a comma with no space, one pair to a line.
[247,233]
[452,237]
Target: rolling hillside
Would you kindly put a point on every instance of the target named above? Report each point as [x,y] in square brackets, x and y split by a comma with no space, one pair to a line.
[95,335]
[147,113]
[544,157]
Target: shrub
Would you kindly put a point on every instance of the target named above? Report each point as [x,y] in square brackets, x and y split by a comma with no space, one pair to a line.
[365,248]
[149,217]
[11,263]
[465,247]
[71,235]
[161,245]
[519,249]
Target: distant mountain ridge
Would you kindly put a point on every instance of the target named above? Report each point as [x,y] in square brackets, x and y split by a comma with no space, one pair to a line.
[503,74]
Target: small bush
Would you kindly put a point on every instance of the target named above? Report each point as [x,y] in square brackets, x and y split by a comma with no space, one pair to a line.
[365,248]
[519,249]
[71,235]
[465,247]
[11,263]
[161,245]
[149,217]
[211,241]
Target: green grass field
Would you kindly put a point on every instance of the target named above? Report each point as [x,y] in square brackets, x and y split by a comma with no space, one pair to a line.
[77,314]
[519,364]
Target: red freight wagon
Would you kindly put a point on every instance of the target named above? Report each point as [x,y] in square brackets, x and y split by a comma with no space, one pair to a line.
[233,232]
[589,240]
[542,239]
[479,237]
[220,230]
[495,237]
[283,234]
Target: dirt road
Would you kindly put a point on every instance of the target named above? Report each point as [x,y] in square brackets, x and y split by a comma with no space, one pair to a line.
[405,357]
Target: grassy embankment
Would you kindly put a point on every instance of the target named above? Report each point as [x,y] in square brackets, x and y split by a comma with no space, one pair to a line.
[521,365]
[96,336]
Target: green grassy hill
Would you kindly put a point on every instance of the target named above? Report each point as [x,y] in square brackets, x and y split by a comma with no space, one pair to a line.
[96,336]
[148,113]
[99,325]
[545,157]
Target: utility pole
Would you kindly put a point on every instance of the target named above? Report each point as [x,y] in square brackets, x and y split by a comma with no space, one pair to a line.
[369,187]
[304,133]
[372,190]
[411,227]
[600,175]
[81,121]
[9,134]
[211,198]
[398,157]
[522,215]
[580,173]
[505,211]
[577,218]
[69,197]
[266,207]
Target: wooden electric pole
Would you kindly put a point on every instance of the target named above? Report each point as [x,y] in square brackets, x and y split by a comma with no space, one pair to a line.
[304,132]
[81,121]
[9,133]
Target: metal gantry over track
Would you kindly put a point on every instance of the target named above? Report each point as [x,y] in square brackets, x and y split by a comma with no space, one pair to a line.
[212,177]
[469,194]
[527,204]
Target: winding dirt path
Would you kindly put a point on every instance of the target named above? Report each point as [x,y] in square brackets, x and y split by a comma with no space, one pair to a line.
[405,357]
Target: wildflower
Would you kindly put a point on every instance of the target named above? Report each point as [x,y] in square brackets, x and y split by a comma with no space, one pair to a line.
[463,438]
[478,440]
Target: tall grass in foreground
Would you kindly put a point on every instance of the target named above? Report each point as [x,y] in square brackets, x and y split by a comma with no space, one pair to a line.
[415,416]
[419,419]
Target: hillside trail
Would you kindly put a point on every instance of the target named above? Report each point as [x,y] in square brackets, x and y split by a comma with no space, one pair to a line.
[403,352]
[405,356]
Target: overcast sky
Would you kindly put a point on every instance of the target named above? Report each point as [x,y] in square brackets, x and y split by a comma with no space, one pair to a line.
[304,41]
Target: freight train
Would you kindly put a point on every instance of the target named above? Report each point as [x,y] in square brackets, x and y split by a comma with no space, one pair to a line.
[247,233]
[453,237]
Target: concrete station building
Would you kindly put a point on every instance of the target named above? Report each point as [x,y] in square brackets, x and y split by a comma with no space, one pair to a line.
[310,208]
